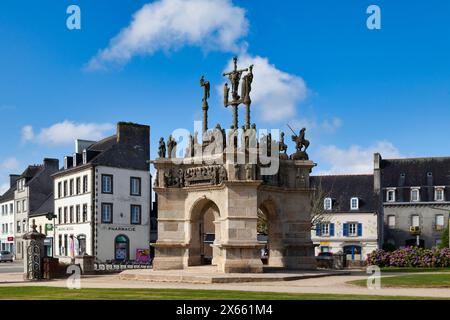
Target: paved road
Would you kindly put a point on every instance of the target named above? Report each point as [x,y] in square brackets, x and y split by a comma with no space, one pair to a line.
[11,267]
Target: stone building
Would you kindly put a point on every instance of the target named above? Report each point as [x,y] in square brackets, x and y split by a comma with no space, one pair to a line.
[348,220]
[415,197]
[102,197]
[34,186]
[209,198]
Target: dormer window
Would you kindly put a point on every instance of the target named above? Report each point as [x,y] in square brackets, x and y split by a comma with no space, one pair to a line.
[390,195]
[354,203]
[439,194]
[415,194]
[21,185]
[328,204]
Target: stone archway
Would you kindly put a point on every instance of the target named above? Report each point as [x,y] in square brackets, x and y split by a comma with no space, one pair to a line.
[268,210]
[204,235]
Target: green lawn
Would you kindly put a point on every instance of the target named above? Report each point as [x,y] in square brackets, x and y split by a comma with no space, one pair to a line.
[412,281]
[52,293]
[399,269]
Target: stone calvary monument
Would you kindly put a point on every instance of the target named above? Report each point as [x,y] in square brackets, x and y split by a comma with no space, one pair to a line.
[233,178]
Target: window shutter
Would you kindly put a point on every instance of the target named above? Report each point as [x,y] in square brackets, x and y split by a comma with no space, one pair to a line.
[345,229]
[359,229]
[318,229]
[331,229]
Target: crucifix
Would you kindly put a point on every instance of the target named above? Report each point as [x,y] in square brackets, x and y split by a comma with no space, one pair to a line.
[235,78]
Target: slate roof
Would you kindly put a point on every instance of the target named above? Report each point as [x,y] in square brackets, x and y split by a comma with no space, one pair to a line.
[341,188]
[416,172]
[46,207]
[9,194]
[129,151]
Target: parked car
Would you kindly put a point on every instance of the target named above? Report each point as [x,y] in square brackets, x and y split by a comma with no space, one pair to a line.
[6,256]
[325,255]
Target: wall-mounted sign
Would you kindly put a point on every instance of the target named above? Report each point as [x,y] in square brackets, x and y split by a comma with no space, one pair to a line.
[10,238]
[48,227]
[121,228]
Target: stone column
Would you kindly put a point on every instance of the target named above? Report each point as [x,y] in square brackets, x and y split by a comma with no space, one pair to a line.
[34,254]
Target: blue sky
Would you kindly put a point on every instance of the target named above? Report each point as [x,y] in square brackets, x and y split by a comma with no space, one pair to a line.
[356,90]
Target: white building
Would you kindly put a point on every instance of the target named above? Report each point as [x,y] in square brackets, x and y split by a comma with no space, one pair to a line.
[7,217]
[102,197]
[350,222]
[34,186]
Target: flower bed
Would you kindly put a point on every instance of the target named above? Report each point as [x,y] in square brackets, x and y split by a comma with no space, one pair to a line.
[411,257]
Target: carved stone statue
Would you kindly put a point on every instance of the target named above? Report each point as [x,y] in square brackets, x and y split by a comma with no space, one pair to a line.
[301,144]
[205,84]
[283,148]
[172,147]
[162,148]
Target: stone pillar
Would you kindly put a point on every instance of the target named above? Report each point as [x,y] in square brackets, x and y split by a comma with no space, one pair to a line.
[34,254]
[86,263]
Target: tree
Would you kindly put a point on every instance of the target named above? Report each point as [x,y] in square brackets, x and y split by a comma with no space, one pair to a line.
[262,223]
[318,213]
[445,238]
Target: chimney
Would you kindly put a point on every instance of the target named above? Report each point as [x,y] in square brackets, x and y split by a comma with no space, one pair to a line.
[136,136]
[13,179]
[51,163]
[377,172]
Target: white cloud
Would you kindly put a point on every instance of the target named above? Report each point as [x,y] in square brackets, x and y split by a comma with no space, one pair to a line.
[327,125]
[7,166]
[275,94]
[66,132]
[355,159]
[3,188]
[168,25]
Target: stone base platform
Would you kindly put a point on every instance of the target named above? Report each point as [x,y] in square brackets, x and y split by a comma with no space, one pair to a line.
[208,274]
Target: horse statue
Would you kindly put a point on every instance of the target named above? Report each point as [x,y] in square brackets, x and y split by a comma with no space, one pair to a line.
[300,141]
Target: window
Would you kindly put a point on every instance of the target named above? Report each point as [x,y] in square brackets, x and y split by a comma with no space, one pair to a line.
[85,184]
[65,214]
[18,226]
[439,194]
[24,205]
[20,185]
[85,212]
[352,229]
[391,222]
[65,245]
[59,189]
[18,206]
[71,187]
[354,203]
[415,195]
[65,188]
[107,183]
[59,215]
[135,214]
[390,196]
[60,245]
[78,186]
[439,222]
[135,186]
[11,208]
[328,204]
[415,221]
[77,210]
[107,212]
[325,229]
[71,214]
